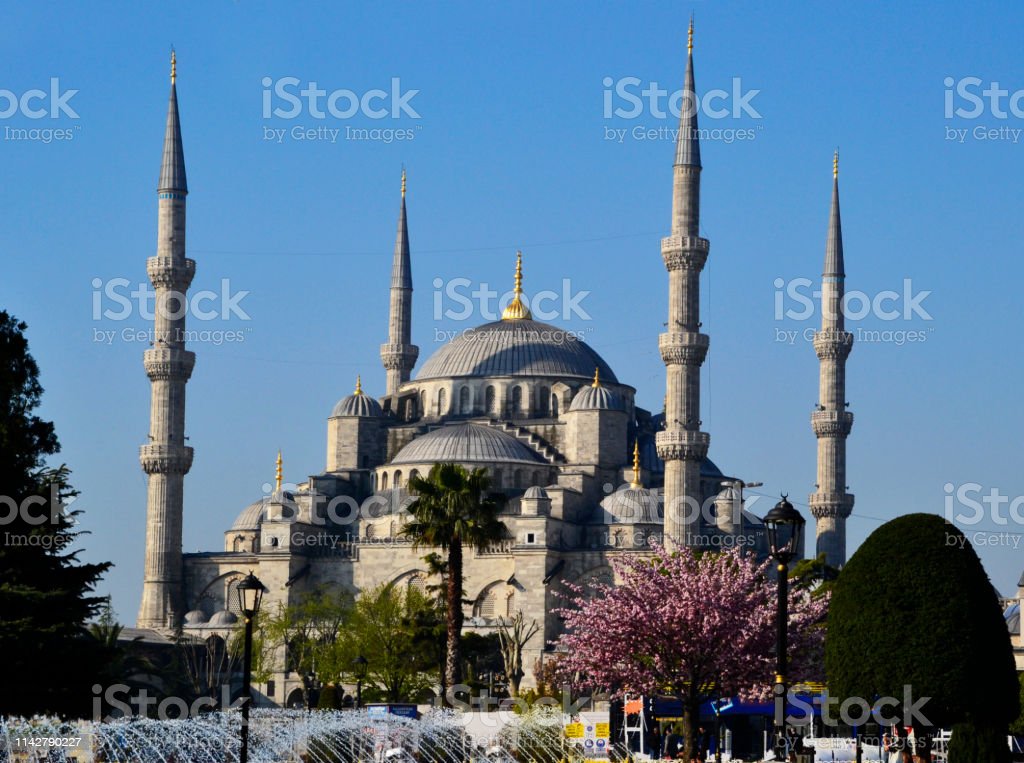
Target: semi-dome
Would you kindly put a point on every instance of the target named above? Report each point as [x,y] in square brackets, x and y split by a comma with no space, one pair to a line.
[357,404]
[466,443]
[521,347]
[632,505]
[596,397]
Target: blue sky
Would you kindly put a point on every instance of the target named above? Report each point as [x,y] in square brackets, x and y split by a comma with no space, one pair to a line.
[510,149]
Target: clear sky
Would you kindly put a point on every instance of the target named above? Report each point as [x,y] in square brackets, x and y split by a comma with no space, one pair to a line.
[508,146]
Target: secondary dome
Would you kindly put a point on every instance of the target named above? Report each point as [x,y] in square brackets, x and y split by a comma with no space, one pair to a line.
[357,404]
[632,505]
[252,515]
[521,347]
[594,397]
[466,443]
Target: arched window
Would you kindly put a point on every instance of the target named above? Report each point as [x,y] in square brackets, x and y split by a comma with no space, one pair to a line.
[517,399]
[369,532]
[489,400]
[554,406]
[423,402]
[544,401]
[442,402]
[518,478]
[496,478]
[398,478]
[383,480]
[464,400]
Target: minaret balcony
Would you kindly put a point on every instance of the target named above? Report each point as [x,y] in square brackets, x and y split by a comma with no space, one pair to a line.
[831,505]
[171,272]
[687,348]
[168,363]
[165,459]
[685,252]
[831,423]
[833,344]
[682,445]
[397,357]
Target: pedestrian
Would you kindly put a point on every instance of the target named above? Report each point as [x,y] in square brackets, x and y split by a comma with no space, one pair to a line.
[654,744]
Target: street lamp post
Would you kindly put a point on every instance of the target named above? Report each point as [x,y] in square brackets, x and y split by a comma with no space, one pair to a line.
[250,594]
[785,525]
[359,668]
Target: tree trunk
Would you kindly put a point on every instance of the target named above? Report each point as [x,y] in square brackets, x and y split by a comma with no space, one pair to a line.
[453,658]
[691,717]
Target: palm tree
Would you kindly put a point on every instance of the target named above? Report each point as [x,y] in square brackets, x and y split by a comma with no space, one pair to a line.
[452,510]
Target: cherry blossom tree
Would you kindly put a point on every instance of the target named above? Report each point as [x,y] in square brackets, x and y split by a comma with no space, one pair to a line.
[697,625]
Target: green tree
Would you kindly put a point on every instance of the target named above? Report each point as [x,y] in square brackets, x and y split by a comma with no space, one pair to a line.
[913,608]
[385,632]
[453,510]
[46,593]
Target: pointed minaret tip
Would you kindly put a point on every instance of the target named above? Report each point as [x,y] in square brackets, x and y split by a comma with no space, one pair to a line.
[636,465]
[278,473]
[174,66]
[835,165]
[403,181]
[689,37]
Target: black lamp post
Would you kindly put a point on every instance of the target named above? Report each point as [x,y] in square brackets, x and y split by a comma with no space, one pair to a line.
[359,668]
[250,594]
[785,525]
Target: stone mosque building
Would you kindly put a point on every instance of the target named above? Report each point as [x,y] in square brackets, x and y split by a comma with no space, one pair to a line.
[588,473]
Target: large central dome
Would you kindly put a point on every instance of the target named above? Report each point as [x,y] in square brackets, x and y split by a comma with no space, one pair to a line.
[521,347]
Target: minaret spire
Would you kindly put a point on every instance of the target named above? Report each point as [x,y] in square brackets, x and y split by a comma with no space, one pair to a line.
[636,465]
[165,458]
[682,445]
[399,354]
[831,422]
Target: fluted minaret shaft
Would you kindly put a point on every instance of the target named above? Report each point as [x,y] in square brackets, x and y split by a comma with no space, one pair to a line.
[399,353]
[831,422]
[165,458]
[682,446]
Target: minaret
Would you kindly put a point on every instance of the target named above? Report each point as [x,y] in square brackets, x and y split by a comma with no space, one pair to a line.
[165,458]
[831,422]
[682,446]
[399,354]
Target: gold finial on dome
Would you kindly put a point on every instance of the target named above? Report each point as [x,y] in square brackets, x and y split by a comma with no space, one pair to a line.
[278,473]
[174,66]
[597,377]
[516,310]
[359,385]
[689,36]
[403,181]
[835,165]
[636,465]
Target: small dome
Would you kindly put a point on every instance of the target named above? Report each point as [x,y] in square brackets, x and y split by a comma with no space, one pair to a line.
[358,404]
[535,492]
[466,443]
[195,617]
[596,398]
[252,515]
[632,505]
[223,617]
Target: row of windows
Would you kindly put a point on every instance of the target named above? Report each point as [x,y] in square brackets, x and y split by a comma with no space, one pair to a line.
[517,479]
[547,403]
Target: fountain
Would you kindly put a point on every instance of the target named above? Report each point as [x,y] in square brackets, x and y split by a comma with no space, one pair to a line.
[285,736]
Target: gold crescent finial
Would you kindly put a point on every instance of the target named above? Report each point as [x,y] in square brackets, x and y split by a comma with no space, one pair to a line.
[689,36]
[403,182]
[597,377]
[516,310]
[359,385]
[835,165]
[636,465]
[278,474]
